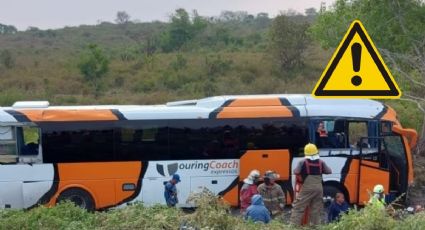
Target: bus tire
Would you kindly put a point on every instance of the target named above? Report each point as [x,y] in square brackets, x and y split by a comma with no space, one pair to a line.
[80,197]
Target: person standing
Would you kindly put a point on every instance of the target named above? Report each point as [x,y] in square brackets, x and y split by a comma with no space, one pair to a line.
[272,193]
[249,189]
[170,192]
[257,212]
[378,197]
[311,193]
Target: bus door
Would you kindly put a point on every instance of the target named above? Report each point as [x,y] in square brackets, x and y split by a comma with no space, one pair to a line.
[22,180]
[397,159]
[10,185]
[374,167]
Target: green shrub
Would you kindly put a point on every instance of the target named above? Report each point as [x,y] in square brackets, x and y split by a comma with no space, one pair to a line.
[62,216]
[211,213]
[138,216]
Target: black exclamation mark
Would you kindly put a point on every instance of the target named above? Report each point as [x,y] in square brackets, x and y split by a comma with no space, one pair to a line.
[356,53]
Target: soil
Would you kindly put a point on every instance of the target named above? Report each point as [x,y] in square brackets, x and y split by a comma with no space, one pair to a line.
[416,194]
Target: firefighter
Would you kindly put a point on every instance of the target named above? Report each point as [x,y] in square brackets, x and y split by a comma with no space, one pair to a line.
[272,193]
[378,197]
[311,195]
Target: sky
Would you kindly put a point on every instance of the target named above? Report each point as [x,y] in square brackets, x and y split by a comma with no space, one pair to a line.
[52,14]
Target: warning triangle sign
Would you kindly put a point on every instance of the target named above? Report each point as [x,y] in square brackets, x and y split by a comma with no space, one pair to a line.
[356,70]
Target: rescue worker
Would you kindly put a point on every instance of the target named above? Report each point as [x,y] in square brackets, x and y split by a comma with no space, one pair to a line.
[170,192]
[378,197]
[249,189]
[257,211]
[272,193]
[311,194]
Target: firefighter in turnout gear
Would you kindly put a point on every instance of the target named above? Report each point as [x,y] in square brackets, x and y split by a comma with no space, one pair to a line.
[272,193]
[311,194]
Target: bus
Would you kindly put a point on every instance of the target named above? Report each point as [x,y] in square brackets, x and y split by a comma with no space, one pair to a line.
[105,156]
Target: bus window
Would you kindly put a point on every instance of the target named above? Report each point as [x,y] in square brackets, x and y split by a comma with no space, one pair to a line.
[330,133]
[142,141]
[28,140]
[7,145]
[207,139]
[77,142]
[357,130]
[278,134]
[386,128]
[396,148]
[378,153]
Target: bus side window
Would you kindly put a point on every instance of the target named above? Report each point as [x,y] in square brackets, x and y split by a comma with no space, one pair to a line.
[28,140]
[357,130]
[330,133]
[8,145]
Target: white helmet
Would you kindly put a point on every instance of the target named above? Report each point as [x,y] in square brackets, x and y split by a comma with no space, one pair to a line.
[379,188]
[253,175]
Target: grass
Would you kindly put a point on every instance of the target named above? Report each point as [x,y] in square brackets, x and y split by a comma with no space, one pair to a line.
[211,213]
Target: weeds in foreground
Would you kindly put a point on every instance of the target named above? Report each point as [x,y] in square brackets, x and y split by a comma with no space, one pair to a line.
[211,213]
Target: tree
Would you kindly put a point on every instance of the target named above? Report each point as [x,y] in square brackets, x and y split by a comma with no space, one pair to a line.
[33,29]
[262,20]
[287,42]
[396,27]
[199,23]
[94,65]
[238,16]
[7,29]
[122,17]
[311,12]
[182,29]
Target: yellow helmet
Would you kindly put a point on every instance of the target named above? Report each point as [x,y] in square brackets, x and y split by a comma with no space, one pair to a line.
[379,188]
[310,149]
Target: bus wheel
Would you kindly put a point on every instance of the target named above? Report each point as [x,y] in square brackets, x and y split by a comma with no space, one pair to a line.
[329,193]
[79,197]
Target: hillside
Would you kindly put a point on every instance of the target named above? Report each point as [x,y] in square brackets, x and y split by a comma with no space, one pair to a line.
[230,54]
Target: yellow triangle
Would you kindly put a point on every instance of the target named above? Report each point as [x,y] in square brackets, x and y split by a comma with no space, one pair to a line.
[356,70]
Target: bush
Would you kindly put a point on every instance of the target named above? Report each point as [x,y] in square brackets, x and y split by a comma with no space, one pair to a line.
[211,213]
[94,65]
[62,216]
[138,216]
[7,59]
[369,218]
[216,65]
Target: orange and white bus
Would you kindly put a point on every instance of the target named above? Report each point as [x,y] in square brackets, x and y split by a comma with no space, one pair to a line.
[104,156]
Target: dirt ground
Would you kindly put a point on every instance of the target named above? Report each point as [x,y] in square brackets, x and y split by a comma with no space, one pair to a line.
[286,215]
[416,194]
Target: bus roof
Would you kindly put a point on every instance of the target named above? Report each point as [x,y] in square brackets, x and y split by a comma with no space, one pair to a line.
[231,106]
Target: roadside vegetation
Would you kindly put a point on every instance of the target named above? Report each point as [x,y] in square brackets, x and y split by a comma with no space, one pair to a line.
[211,214]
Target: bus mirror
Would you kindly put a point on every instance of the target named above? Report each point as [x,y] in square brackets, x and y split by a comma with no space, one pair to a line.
[410,134]
[386,128]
